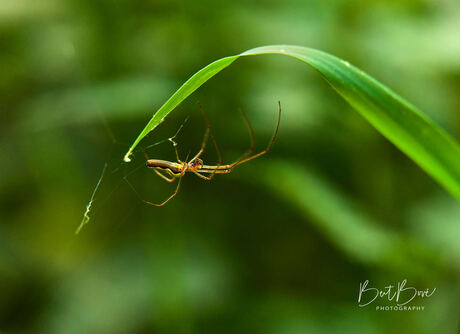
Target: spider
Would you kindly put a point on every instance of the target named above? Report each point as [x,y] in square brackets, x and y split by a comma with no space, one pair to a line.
[171,171]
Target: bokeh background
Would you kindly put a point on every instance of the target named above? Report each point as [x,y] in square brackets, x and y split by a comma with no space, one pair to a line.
[281,244]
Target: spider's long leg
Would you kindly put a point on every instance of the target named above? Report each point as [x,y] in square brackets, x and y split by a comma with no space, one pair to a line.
[248,155]
[209,178]
[169,198]
[251,134]
[216,170]
[174,143]
[172,179]
[218,164]
[206,134]
[203,145]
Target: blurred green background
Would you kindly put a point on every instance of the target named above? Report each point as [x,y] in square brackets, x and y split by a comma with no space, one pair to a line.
[281,244]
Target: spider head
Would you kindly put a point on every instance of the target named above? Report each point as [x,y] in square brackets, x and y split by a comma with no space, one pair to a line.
[196,163]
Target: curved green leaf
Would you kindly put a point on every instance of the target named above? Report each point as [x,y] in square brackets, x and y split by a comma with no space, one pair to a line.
[405,126]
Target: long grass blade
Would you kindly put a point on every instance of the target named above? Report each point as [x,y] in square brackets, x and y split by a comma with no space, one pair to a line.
[399,121]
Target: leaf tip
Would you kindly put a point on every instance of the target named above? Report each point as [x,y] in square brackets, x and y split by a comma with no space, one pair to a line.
[127,158]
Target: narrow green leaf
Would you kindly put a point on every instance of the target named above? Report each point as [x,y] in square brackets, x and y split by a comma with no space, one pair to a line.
[405,126]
